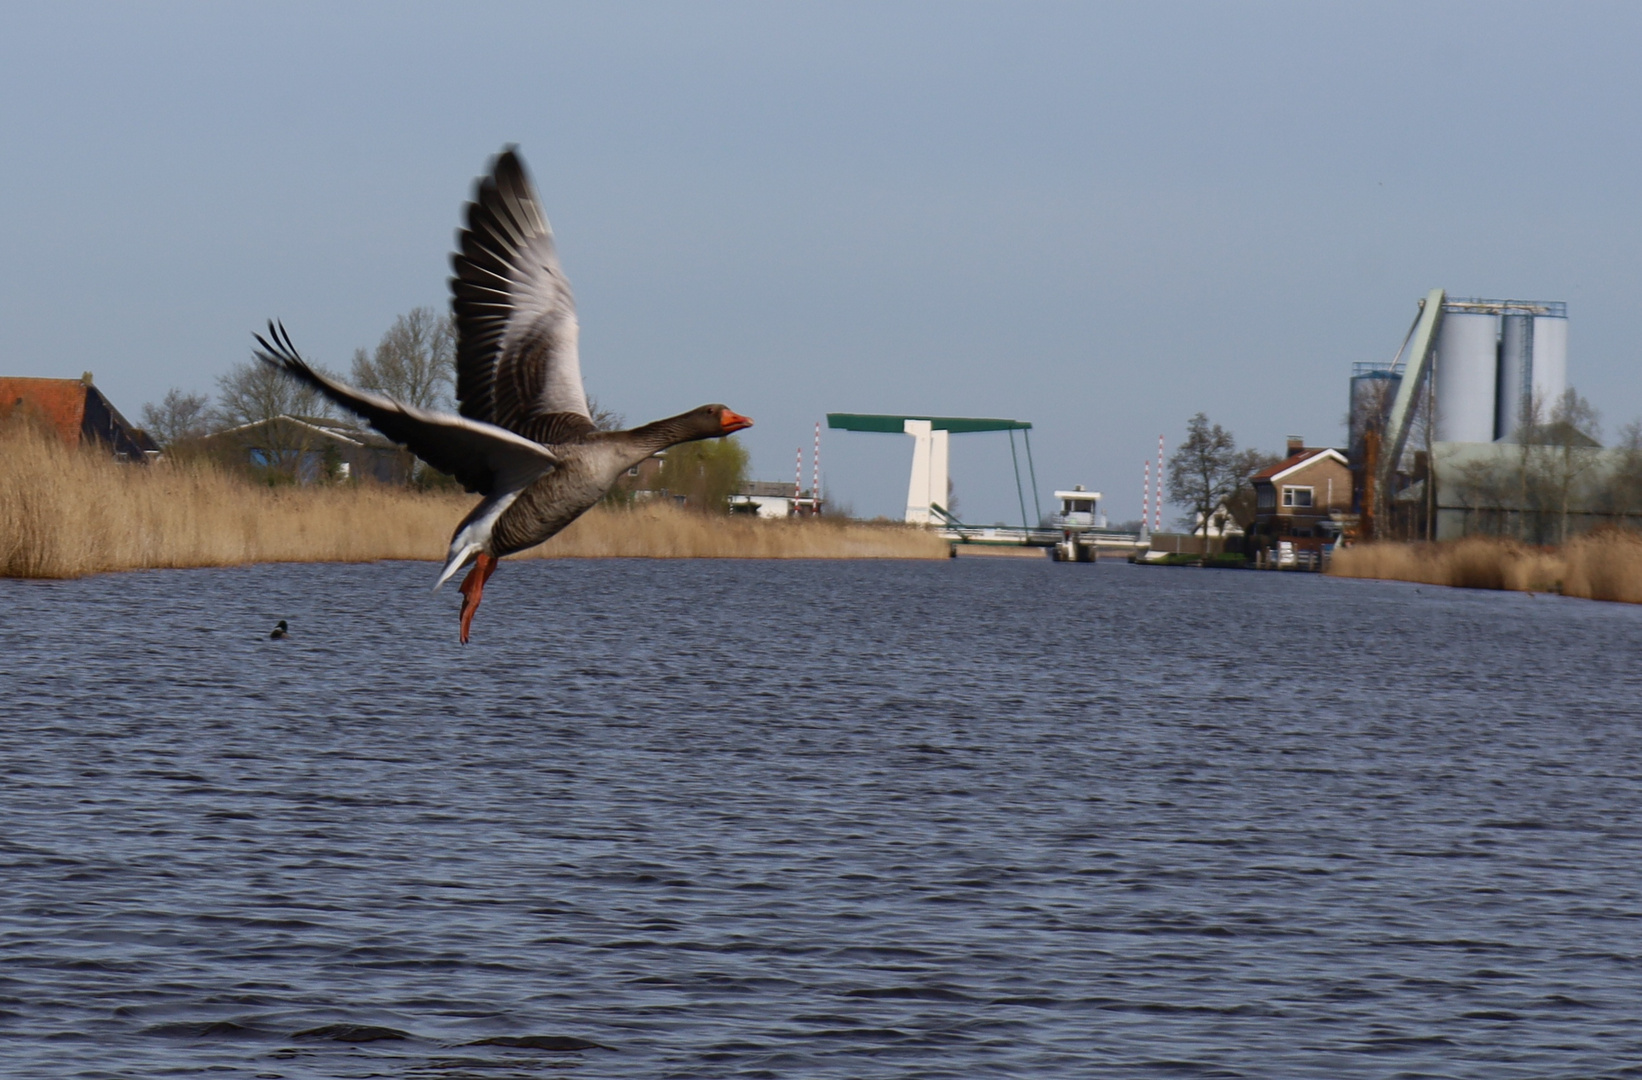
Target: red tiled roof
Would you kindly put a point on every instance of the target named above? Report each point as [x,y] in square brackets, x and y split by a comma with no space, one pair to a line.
[1290,462]
[59,402]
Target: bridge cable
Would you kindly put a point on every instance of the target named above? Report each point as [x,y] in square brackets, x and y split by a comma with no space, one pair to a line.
[1018,492]
[1026,433]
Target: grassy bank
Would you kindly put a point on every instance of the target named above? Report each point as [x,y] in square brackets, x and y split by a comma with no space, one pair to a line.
[1603,566]
[67,512]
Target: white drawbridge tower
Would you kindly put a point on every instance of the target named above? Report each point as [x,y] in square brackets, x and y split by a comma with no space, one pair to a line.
[926,489]
[929,474]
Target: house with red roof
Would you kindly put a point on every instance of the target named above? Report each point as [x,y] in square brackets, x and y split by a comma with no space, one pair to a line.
[77,412]
[1301,498]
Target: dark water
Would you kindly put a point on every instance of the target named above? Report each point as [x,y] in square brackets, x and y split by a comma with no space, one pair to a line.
[982,818]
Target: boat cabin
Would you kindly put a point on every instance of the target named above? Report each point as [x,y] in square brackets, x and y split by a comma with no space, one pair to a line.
[1079,508]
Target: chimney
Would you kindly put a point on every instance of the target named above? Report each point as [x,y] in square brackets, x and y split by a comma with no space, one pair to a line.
[1297,444]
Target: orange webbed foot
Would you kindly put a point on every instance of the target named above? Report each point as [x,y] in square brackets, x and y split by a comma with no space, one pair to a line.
[473,588]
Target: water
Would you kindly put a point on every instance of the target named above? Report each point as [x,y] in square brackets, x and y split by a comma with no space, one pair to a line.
[738,819]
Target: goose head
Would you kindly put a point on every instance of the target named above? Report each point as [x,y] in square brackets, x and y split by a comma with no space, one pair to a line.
[714,422]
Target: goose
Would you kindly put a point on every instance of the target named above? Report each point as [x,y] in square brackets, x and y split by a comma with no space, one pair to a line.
[281,630]
[522,438]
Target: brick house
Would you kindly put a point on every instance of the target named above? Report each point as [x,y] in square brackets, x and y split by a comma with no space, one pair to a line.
[1298,498]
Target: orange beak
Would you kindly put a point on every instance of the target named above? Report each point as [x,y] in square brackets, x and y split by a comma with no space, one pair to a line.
[734,421]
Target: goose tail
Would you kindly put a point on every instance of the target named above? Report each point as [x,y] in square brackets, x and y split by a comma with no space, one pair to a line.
[459,557]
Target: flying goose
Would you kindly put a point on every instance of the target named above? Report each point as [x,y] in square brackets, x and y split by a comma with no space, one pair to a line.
[524,440]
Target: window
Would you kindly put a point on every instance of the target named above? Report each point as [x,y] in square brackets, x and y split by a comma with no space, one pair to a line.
[1266,499]
[1297,496]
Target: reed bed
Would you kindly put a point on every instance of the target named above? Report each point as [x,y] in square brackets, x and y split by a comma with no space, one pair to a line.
[1600,566]
[66,512]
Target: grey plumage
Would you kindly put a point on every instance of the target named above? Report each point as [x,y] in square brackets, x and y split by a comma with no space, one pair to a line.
[523,439]
[517,362]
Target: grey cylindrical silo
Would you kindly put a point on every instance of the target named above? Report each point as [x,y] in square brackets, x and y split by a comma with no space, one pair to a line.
[1550,376]
[1467,355]
[1372,394]
[1516,367]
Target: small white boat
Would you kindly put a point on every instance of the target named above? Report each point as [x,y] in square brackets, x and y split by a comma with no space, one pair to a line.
[1079,511]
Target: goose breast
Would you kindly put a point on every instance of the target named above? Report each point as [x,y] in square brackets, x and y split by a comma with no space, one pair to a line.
[585,472]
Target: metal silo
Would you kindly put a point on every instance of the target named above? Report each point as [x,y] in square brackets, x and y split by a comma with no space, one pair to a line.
[1373,389]
[1550,373]
[1516,367]
[1467,356]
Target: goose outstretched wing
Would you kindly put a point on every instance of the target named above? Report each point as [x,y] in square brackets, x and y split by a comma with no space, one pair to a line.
[482,457]
[516,361]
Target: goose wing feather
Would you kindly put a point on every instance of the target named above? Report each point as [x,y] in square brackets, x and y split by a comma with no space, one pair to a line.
[482,457]
[516,359]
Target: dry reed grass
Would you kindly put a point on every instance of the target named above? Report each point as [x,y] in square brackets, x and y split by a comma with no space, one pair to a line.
[1601,566]
[66,512]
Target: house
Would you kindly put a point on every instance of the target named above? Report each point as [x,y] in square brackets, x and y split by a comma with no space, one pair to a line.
[313,448]
[643,481]
[763,498]
[78,413]
[1224,534]
[771,499]
[1301,498]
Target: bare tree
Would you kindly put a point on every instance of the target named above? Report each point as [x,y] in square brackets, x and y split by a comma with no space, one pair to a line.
[179,418]
[604,419]
[1205,470]
[1242,504]
[1568,444]
[251,396]
[1626,484]
[415,362]
[1532,498]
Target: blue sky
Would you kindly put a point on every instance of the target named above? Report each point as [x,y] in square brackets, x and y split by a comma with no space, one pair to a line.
[1100,218]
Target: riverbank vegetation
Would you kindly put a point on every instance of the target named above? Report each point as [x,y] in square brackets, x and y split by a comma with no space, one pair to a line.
[1605,565]
[70,511]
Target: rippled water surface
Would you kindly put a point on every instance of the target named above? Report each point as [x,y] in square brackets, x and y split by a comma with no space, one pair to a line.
[700,819]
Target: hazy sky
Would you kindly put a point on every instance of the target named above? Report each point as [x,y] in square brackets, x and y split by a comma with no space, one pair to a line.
[1099,218]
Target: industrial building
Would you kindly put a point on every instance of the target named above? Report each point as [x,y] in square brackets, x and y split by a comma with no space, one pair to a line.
[1489,363]
[1465,430]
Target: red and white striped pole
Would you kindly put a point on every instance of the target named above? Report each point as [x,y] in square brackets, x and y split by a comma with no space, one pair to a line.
[1146,495]
[797,479]
[1157,507]
[815,482]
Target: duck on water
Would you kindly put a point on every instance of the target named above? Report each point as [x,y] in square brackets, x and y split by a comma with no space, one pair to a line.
[523,439]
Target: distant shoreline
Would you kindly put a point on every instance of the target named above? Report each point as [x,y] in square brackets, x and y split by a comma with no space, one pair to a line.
[68,512]
[1599,566]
